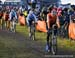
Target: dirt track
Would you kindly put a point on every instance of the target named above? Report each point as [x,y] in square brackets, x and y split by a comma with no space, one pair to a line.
[26,48]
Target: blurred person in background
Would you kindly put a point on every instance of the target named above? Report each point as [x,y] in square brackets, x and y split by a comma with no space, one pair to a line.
[30,19]
[13,19]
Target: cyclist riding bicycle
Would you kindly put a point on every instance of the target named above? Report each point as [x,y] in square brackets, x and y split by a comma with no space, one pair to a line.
[51,21]
[31,19]
[13,19]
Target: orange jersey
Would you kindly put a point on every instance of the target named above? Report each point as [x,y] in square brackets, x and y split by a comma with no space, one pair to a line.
[51,19]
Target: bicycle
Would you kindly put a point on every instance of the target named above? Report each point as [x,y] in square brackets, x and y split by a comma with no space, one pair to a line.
[52,47]
[32,31]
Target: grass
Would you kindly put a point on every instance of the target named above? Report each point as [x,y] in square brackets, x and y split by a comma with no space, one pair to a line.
[40,36]
[66,44]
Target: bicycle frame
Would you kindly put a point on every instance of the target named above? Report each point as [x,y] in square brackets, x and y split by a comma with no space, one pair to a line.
[52,40]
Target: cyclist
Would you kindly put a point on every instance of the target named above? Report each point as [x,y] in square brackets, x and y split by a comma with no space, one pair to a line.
[30,18]
[13,19]
[66,21]
[51,20]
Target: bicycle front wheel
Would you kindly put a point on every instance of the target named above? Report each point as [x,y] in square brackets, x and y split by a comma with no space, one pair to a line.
[32,31]
[54,46]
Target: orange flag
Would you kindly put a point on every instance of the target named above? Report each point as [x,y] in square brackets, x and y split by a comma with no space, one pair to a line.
[72,31]
[21,20]
[41,26]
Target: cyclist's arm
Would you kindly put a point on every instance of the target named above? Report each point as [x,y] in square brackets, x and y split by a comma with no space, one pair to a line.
[27,19]
[57,22]
[48,21]
[35,18]
[15,15]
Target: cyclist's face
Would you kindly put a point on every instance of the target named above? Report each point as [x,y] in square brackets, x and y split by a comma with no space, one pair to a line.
[53,12]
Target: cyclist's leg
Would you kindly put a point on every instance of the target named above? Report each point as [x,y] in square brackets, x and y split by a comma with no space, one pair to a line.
[29,28]
[7,25]
[14,26]
[65,29]
[3,23]
[48,47]
[0,21]
[33,31]
[11,25]
[55,30]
